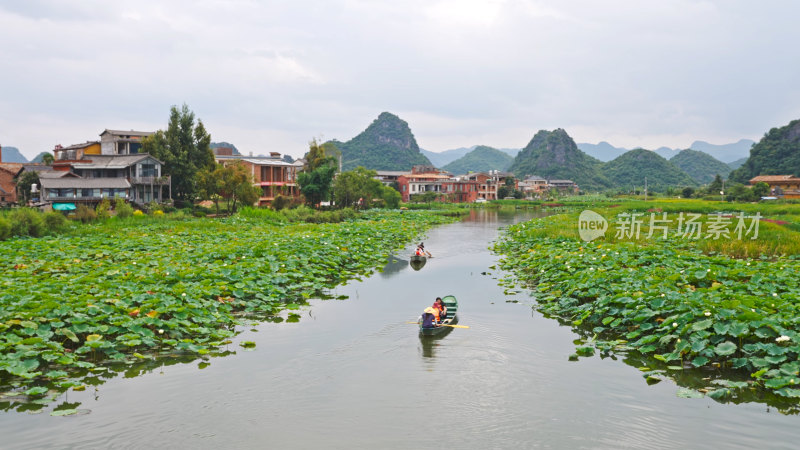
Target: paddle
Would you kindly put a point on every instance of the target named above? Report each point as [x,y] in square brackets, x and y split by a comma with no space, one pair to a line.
[444,325]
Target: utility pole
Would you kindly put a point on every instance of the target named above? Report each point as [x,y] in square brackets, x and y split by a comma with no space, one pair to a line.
[645,188]
[722,192]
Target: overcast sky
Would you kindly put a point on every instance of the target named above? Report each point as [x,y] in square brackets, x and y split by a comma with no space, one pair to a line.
[272,75]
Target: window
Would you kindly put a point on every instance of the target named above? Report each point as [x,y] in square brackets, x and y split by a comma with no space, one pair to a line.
[148,170]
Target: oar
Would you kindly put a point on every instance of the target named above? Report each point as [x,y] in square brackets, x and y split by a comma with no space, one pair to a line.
[444,325]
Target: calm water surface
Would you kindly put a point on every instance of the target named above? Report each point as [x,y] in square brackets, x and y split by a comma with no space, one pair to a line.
[353,374]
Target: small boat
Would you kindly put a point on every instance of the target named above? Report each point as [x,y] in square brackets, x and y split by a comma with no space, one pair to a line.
[417,262]
[451,318]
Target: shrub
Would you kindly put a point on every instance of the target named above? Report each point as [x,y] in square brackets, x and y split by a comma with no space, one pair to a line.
[101,211]
[54,222]
[158,213]
[122,208]
[5,229]
[85,214]
[280,202]
[26,222]
[138,213]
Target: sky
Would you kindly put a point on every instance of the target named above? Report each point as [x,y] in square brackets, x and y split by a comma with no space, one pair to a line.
[274,75]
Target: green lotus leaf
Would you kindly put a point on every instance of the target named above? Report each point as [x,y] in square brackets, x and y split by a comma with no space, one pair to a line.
[722,327]
[719,394]
[725,348]
[738,329]
[688,393]
[700,361]
[702,325]
[788,392]
[64,412]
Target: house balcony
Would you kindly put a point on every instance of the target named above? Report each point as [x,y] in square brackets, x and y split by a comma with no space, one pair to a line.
[151,181]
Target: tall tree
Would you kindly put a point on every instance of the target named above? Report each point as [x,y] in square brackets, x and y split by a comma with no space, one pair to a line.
[357,187]
[317,175]
[185,150]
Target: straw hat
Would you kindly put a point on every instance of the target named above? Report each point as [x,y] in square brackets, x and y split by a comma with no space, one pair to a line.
[430,310]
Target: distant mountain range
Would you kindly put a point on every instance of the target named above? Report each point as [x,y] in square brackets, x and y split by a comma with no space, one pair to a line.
[12,155]
[481,159]
[726,153]
[441,159]
[701,166]
[642,167]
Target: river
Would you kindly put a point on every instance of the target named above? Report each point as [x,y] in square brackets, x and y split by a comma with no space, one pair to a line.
[354,374]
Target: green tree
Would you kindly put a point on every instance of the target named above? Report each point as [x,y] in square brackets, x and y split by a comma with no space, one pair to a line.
[357,187]
[715,185]
[24,183]
[502,192]
[232,183]
[48,159]
[760,189]
[317,175]
[687,192]
[185,150]
[391,197]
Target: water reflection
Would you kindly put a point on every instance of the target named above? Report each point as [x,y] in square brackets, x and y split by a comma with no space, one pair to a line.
[92,379]
[394,265]
[428,344]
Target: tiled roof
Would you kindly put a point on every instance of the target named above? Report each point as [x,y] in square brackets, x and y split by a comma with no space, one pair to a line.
[77,146]
[427,175]
[110,161]
[54,174]
[773,178]
[127,132]
[12,168]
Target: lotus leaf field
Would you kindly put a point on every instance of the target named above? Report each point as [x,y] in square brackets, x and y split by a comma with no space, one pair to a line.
[734,323]
[104,296]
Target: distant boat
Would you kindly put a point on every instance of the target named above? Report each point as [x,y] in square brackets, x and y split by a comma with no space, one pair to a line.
[417,262]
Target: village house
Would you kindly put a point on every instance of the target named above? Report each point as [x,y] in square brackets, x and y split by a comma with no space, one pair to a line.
[136,178]
[781,186]
[387,177]
[490,182]
[534,186]
[271,174]
[563,186]
[107,169]
[117,142]
[8,186]
[423,179]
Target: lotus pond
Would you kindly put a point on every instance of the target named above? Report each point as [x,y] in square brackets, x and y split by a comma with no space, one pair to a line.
[103,299]
[680,308]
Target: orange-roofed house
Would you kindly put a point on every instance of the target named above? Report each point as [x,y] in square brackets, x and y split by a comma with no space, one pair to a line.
[782,186]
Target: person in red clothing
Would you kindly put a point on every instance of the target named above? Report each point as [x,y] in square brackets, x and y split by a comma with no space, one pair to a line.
[441,310]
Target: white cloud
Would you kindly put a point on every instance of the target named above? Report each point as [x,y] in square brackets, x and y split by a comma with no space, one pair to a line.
[461,73]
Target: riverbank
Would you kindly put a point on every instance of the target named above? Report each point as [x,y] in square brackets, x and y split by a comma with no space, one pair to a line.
[724,308]
[122,292]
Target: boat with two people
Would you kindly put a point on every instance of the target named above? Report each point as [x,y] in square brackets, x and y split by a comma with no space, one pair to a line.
[431,327]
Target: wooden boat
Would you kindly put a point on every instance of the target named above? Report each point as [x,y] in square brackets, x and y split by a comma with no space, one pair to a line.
[451,318]
[417,262]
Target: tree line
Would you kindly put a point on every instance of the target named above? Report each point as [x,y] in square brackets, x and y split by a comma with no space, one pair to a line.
[185,150]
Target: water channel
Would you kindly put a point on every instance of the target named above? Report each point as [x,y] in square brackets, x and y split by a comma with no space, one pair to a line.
[353,374]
